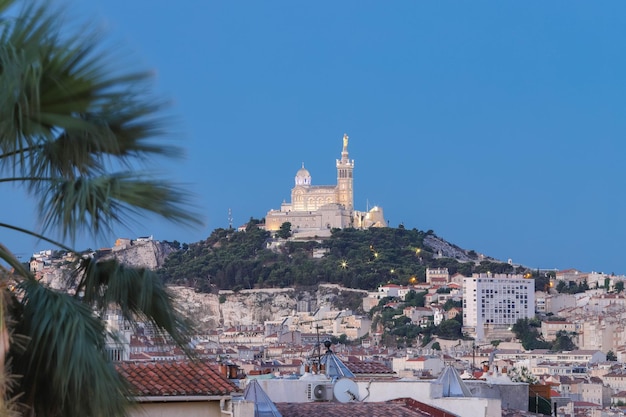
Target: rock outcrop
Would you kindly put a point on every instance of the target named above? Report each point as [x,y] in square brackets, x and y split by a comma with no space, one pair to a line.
[149,254]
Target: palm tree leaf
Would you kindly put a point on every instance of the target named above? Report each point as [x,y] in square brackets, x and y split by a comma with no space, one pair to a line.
[57,88]
[64,366]
[95,204]
[139,294]
[19,269]
[68,118]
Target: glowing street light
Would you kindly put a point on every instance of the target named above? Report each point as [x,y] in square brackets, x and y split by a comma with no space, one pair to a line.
[344,264]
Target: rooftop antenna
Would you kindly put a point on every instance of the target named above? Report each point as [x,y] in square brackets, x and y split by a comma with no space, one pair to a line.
[318,347]
[230,218]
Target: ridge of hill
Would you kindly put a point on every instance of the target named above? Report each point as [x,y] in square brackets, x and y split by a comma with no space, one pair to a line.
[361,259]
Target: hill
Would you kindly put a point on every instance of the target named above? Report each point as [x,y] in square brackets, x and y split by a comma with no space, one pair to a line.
[361,259]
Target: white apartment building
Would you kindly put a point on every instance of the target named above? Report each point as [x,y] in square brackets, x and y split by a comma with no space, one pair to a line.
[496,301]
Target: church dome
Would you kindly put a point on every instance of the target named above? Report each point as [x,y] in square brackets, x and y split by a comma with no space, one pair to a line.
[303,177]
[303,172]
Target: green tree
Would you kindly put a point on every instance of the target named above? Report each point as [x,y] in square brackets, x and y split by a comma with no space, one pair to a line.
[583,286]
[611,356]
[526,330]
[415,299]
[449,329]
[72,130]
[285,230]
[563,342]
[522,374]
[619,286]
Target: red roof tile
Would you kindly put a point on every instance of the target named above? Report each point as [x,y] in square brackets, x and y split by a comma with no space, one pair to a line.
[404,407]
[174,378]
[358,367]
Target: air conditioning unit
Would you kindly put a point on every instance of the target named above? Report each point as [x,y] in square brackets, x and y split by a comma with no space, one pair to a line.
[319,392]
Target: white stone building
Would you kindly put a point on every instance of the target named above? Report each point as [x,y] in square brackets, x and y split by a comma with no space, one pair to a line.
[437,276]
[316,209]
[496,301]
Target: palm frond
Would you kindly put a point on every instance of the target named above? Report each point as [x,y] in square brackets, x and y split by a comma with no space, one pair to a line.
[7,256]
[95,204]
[4,5]
[56,89]
[9,382]
[68,121]
[139,294]
[64,366]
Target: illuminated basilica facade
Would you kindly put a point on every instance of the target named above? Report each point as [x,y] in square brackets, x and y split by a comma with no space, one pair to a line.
[316,209]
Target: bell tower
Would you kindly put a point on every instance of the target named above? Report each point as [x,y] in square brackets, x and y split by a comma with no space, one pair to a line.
[345,167]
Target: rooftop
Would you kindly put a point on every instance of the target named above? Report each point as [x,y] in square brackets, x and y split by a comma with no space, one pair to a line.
[179,378]
[404,407]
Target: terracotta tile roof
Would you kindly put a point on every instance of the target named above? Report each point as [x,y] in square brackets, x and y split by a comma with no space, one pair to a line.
[358,367]
[518,413]
[404,407]
[595,380]
[180,378]
[586,404]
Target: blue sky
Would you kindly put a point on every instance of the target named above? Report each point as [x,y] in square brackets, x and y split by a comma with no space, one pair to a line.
[499,125]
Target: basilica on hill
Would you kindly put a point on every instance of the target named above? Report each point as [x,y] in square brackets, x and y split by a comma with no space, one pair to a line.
[316,209]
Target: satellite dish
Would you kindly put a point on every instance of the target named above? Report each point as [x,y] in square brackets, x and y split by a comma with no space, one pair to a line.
[346,390]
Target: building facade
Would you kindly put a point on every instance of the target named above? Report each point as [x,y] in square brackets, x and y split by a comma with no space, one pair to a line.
[437,276]
[316,209]
[496,301]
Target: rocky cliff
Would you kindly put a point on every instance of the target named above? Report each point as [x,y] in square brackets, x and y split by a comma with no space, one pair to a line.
[250,307]
[149,254]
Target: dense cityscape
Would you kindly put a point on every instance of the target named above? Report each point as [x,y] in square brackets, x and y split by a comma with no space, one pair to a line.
[510,342]
[264,276]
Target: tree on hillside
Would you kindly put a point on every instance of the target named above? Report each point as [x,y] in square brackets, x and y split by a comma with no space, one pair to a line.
[72,130]
[285,230]
[526,330]
[449,329]
[563,342]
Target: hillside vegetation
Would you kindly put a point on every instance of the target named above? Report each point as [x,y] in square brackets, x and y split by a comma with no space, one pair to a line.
[362,259]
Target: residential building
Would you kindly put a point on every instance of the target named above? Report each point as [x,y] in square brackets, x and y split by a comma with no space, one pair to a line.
[579,356]
[549,329]
[571,275]
[496,301]
[616,380]
[437,276]
[181,389]
[432,365]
